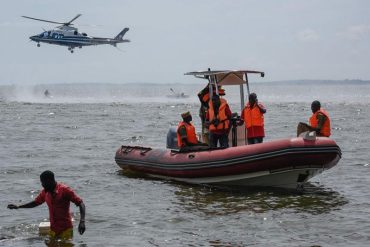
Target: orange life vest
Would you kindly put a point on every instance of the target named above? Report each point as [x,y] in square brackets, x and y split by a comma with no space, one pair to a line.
[205,97]
[325,129]
[221,116]
[190,133]
[253,116]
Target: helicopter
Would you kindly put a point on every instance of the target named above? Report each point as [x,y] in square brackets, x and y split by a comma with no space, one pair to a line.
[66,35]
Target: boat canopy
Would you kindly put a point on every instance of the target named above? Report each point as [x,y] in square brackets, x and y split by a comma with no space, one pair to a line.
[226,77]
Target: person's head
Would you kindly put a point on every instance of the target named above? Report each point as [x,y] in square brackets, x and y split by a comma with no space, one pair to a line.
[315,106]
[186,116]
[221,91]
[48,181]
[252,98]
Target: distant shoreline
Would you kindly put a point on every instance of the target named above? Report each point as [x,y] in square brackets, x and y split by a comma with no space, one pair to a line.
[303,81]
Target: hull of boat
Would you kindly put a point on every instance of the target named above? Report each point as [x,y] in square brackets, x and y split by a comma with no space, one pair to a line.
[283,163]
[282,179]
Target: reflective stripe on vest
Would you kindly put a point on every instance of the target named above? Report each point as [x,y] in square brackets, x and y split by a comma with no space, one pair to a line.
[190,134]
[221,116]
[252,116]
[325,129]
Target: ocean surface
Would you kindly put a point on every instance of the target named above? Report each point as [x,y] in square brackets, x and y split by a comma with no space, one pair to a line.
[76,131]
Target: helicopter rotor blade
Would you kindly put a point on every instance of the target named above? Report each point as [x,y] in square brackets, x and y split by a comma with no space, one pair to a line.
[42,20]
[69,23]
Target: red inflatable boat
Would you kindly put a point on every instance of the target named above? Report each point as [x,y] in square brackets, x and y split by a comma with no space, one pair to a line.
[286,163]
[282,163]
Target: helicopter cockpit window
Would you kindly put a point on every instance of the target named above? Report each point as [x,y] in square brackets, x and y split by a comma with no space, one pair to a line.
[75,32]
[84,34]
[49,33]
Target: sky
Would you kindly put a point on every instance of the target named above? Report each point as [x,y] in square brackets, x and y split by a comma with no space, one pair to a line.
[287,39]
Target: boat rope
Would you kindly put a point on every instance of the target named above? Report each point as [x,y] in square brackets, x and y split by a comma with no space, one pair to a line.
[128,149]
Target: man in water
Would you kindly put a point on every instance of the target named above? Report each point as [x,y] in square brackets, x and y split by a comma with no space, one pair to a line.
[46,93]
[252,116]
[58,197]
[319,121]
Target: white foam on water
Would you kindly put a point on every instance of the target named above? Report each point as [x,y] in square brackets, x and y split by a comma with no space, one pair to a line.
[163,93]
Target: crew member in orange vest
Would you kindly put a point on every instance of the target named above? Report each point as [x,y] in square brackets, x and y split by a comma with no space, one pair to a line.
[203,96]
[319,121]
[252,116]
[218,119]
[186,135]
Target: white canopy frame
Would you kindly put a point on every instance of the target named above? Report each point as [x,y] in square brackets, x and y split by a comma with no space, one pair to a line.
[228,78]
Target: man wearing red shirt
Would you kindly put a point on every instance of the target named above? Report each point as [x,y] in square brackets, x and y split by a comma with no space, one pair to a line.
[58,197]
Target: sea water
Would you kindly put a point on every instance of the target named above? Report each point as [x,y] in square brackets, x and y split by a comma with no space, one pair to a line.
[77,129]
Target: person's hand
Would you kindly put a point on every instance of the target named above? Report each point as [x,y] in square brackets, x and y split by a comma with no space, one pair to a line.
[12,206]
[215,122]
[81,227]
[240,122]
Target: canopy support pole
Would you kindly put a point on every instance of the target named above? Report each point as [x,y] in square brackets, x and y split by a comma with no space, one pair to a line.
[247,83]
[248,92]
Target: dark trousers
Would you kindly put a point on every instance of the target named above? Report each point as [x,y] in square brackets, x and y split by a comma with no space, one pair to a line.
[223,139]
[255,140]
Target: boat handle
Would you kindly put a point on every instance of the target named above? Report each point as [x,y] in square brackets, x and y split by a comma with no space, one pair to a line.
[126,149]
[143,152]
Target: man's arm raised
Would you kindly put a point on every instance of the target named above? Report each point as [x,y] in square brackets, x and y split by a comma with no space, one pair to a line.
[27,205]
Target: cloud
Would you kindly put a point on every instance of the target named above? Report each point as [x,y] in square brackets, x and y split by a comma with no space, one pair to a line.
[356,32]
[308,35]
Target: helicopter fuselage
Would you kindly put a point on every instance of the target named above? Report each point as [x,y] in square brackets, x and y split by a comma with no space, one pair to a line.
[71,38]
[66,35]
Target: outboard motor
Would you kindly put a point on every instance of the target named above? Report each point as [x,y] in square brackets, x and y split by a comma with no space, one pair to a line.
[172,138]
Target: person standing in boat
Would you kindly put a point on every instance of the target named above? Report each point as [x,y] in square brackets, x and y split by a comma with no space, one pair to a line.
[252,116]
[319,121]
[218,119]
[58,197]
[204,98]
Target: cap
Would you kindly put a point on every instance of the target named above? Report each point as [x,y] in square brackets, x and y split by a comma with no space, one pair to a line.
[185,114]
